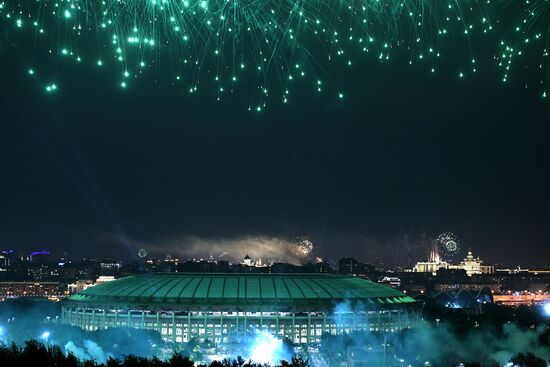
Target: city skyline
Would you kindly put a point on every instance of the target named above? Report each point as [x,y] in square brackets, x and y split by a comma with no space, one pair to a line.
[405,156]
[142,256]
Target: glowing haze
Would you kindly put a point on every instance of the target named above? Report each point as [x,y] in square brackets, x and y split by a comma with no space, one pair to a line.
[265,248]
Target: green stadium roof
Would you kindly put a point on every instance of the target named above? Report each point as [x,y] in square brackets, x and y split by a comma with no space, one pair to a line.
[202,291]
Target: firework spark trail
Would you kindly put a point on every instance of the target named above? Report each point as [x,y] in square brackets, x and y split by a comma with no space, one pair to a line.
[526,41]
[265,45]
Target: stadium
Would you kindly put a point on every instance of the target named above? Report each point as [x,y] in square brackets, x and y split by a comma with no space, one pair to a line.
[228,308]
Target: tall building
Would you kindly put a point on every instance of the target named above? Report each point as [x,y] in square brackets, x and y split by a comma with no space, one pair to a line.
[434,263]
[3,262]
[430,266]
[470,264]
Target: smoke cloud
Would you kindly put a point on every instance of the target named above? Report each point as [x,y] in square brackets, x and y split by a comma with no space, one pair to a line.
[266,248]
[439,343]
[22,320]
[394,250]
[444,343]
[90,351]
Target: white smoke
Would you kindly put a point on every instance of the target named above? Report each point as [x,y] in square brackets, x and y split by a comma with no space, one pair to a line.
[266,248]
[90,351]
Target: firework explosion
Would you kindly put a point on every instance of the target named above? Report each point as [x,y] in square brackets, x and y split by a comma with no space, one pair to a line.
[262,46]
[305,246]
[448,244]
[301,248]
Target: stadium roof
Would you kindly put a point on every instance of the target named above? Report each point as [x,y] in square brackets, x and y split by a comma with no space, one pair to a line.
[202,291]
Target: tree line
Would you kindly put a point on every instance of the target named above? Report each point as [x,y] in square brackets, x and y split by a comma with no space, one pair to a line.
[34,353]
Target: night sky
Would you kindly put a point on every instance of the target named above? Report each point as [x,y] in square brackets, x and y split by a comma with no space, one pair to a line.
[100,171]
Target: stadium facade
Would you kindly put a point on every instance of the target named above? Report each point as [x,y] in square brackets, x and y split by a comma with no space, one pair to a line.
[228,308]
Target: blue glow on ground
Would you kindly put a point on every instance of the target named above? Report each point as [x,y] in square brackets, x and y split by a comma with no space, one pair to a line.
[266,348]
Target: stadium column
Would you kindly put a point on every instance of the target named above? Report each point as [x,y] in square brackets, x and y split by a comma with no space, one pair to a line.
[308,327]
[205,326]
[188,326]
[261,321]
[324,323]
[92,326]
[237,327]
[158,324]
[116,318]
[245,328]
[173,326]
[293,327]
[221,328]
[129,319]
[143,319]
[103,316]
